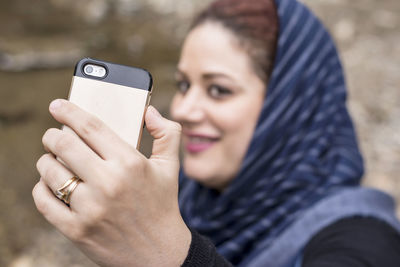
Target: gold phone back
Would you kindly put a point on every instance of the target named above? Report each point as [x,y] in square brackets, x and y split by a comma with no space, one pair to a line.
[120,107]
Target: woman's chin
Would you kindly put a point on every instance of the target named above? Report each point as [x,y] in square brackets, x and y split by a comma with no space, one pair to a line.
[198,172]
[204,173]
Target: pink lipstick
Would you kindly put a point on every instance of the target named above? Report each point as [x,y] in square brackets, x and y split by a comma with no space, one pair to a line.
[196,143]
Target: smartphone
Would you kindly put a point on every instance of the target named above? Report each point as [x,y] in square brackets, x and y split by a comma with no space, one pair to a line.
[116,94]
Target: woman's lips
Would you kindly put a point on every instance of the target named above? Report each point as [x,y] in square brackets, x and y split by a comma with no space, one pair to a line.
[196,143]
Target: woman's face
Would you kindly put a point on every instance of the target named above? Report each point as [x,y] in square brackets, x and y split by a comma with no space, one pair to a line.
[218,102]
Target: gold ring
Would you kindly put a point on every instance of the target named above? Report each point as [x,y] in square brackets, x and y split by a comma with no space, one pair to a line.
[64,192]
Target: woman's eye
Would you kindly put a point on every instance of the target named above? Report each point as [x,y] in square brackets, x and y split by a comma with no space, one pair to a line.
[218,92]
[183,86]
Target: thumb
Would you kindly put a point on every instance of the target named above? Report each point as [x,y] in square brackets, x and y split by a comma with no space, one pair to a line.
[166,135]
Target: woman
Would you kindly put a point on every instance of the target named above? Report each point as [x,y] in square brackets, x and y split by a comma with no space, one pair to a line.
[271,166]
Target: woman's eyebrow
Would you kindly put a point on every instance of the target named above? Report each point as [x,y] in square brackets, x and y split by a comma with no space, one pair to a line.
[179,72]
[211,75]
[205,76]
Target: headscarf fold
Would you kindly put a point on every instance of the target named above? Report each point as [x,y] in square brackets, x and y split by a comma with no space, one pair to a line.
[303,148]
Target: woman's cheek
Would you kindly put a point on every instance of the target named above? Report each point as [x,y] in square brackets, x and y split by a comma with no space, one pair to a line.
[174,104]
[233,146]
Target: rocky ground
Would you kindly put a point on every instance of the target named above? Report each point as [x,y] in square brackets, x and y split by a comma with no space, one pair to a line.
[39,45]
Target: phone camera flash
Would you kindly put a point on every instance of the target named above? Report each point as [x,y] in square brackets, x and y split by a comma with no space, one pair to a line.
[95,70]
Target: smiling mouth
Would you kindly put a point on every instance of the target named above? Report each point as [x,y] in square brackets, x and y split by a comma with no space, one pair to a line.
[197,144]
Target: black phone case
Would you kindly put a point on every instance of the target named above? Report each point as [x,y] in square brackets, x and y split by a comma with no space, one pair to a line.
[117,74]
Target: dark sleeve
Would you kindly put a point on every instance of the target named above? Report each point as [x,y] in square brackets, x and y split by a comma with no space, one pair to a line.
[202,253]
[354,242]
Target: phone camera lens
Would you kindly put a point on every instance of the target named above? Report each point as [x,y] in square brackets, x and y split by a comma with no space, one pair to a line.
[88,69]
[94,70]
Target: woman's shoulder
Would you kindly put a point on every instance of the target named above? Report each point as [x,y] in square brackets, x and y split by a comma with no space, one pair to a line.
[356,241]
[339,206]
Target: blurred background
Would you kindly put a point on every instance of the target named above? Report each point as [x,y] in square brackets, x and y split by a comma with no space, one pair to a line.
[40,42]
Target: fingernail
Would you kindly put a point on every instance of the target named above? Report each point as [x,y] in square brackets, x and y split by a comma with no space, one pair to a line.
[55,104]
[155,111]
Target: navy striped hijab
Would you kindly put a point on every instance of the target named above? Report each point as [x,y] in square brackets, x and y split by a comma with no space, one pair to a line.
[304,146]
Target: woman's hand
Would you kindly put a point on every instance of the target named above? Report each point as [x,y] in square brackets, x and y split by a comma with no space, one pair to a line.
[125,211]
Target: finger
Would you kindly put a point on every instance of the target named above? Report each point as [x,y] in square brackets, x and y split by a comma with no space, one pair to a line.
[55,211]
[73,152]
[92,130]
[166,135]
[53,172]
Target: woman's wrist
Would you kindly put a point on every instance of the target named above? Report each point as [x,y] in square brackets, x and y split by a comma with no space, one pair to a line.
[202,252]
[176,243]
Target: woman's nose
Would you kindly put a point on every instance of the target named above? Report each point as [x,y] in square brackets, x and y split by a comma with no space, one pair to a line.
[189,107]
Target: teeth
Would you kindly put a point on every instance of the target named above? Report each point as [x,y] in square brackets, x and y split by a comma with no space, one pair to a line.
[199,139]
